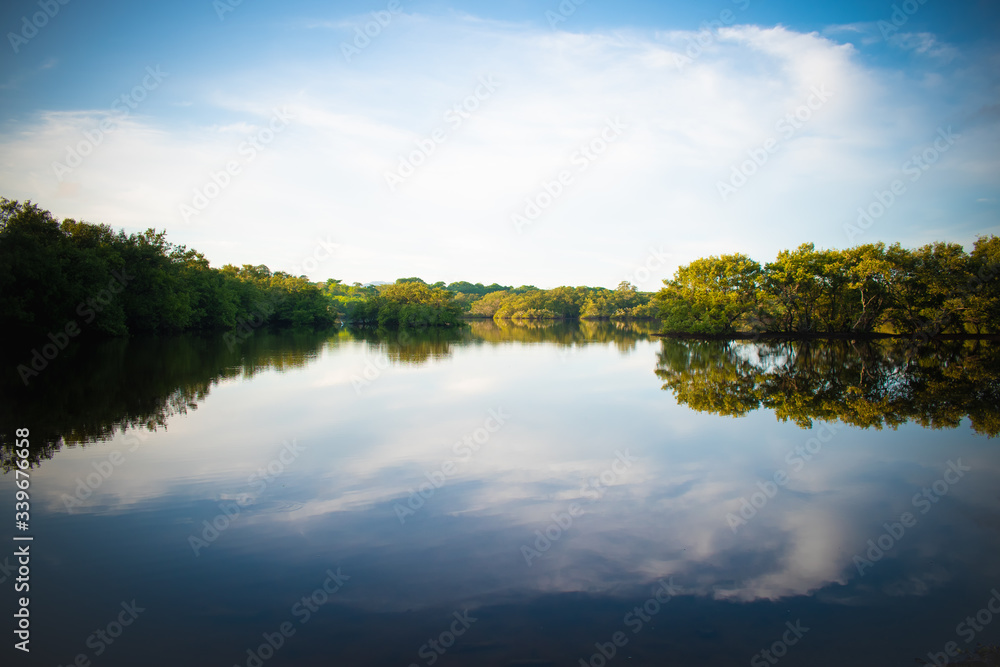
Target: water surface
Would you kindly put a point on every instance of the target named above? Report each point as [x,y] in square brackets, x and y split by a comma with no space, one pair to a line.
[507,495]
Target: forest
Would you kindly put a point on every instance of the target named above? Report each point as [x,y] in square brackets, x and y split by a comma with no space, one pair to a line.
[412,301]
[873,288]
[63,279]
[73,278]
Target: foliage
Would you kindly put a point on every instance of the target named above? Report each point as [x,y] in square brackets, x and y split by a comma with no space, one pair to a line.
[937,288]
[110,283]
[536,314]
[565,303]
[408,303]
[712,295]
[346,298]
[625,302]
[488,305]
[478,289]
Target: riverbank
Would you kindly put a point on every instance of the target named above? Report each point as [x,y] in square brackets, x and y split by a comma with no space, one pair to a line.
[835,335]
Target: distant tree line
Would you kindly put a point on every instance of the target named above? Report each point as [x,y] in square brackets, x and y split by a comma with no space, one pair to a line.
[938,288]
[411,301]
[59,280]
[68,277]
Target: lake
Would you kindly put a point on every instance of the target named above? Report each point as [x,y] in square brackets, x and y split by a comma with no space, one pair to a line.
[574,494]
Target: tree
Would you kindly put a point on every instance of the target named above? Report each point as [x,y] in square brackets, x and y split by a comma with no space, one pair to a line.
[110,283]
[710,296]
[410,303]
[871,274]
[804,291]
[983,286]
[488,305]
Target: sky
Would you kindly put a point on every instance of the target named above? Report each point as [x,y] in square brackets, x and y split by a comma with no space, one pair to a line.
[580,142]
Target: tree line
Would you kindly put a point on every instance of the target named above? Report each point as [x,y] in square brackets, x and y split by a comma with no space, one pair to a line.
[62,278]
[413,301]
[76,278]
[873,288]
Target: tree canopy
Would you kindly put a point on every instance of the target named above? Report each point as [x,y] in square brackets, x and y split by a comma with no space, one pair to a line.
[116,284]
[938,288]
[107,282]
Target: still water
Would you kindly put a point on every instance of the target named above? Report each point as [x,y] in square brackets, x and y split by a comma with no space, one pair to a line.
[565,495]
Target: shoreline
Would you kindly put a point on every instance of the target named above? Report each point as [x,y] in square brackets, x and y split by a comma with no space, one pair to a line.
[833,335]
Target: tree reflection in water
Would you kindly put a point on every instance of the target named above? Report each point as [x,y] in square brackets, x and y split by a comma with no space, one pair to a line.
[872,383]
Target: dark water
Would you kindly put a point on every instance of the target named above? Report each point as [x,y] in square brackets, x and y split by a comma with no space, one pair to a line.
[508,496]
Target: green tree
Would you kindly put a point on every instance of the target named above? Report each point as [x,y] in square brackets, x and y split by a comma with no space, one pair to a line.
[711,296]
[488,305]
[983,286]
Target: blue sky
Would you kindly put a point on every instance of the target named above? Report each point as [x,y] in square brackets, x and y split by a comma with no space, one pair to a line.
[521,142]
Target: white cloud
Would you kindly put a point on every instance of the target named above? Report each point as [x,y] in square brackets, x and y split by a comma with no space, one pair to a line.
[688,127]
[924,43]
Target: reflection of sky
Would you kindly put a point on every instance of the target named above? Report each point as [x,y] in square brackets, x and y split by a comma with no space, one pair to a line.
[366,449]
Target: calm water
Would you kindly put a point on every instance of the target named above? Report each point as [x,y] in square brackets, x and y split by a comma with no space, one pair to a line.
[509,496]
